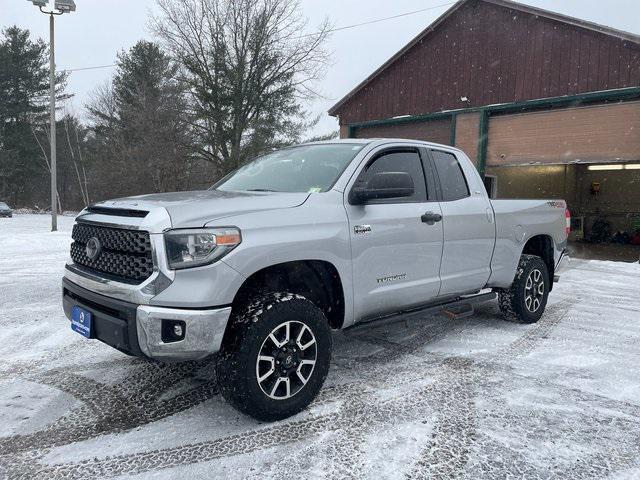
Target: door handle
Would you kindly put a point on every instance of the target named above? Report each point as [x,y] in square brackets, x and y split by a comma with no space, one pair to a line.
[430,218]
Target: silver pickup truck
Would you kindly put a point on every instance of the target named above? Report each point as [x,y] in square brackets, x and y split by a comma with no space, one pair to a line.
[314,237]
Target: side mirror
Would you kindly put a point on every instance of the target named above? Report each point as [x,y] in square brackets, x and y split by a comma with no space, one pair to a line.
[382,185]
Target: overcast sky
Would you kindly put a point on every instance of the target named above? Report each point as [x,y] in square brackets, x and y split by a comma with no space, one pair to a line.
[100,28]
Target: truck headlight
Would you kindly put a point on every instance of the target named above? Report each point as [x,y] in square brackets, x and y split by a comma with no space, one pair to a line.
[194,247]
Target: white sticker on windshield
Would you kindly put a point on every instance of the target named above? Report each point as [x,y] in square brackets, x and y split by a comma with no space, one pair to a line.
[315,190]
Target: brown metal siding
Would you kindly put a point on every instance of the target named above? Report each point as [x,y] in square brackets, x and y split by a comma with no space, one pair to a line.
[438,131]
[494,54]
[601,133]
[467,129]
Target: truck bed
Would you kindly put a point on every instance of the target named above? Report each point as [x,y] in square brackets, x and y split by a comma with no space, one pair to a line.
[518,221]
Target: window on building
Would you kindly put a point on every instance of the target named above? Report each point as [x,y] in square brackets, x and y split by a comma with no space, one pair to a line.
[491,185]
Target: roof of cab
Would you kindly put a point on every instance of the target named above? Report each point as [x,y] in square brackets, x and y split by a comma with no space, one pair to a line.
[381,141]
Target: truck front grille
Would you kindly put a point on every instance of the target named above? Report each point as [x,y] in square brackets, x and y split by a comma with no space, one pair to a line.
[124,255]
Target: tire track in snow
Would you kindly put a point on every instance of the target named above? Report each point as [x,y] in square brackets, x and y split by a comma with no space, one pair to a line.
[446,455]
[345,449]
[392,352]
[405,407]
[350,393]
[361,413]
[118,408]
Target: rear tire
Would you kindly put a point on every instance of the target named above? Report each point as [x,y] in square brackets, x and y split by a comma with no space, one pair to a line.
[275,357]
[526,299]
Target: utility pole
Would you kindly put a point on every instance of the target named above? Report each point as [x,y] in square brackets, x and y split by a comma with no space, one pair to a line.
[61,6]
[52,120]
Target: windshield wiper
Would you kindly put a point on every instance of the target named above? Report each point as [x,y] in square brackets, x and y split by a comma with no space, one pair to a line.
[260,190]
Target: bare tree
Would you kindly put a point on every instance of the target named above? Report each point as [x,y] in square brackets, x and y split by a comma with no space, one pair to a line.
[46,160]
[82,185]
[109,149]
[248,67]
[84,171]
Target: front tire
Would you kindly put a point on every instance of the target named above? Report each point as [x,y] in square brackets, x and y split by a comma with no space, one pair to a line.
[526,299]
[275,357]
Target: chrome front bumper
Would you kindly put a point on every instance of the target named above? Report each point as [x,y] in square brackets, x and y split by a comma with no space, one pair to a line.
[138,329]
[204,330]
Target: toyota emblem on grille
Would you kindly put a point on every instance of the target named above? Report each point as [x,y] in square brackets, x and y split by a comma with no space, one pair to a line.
[93,248]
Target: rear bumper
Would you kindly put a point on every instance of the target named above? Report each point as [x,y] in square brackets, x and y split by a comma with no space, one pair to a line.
[138,329]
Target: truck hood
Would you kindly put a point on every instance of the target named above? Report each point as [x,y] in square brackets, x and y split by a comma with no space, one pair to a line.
[196,208]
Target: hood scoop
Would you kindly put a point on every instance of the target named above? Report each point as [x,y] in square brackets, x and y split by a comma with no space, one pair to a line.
[117,212]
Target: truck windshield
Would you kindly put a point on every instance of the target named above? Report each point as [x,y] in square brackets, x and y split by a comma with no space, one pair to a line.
[306,168]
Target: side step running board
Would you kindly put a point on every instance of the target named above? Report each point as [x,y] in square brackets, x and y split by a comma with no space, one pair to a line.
[459,308]
[462,311]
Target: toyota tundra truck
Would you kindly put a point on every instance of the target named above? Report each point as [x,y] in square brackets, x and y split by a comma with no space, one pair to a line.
[329,235]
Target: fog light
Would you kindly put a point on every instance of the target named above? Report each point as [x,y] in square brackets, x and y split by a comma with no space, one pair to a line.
[173,330]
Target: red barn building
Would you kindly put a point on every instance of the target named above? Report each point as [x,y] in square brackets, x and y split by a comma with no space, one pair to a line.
[548,106]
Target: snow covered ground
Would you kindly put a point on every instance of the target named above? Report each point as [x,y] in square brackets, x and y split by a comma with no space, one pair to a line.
[428,397]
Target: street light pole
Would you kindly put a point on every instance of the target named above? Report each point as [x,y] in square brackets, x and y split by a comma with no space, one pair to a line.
[52,119]
[62,6]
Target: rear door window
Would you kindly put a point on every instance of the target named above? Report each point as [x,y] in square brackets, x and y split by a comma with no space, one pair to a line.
[452,181]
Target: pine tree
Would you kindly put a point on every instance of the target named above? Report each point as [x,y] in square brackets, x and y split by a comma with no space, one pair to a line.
[142,139]
[24,94]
